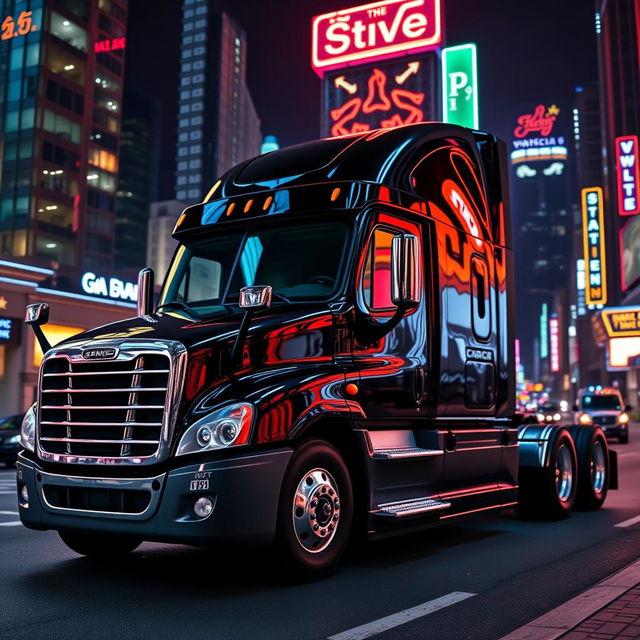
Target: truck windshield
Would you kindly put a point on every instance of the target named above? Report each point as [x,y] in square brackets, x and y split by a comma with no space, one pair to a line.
[606,403]
[300,260]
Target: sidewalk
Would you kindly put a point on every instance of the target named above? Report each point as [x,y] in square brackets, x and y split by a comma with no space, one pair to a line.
[620,619]
[607,611]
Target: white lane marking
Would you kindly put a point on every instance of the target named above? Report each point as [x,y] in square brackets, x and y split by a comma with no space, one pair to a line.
[570,614]
[10,524]
[402,617]
[8,513]
[629,522]
[8,493]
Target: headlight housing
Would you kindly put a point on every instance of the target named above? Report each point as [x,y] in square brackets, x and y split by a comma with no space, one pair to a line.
[557,417]
[623,418]
[585,418]
[28,429]
[229,426]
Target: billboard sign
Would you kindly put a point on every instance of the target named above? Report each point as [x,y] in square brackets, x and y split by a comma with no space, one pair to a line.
[536,139]
[374,31]
[460,85]
[621,322]
[628,175]
[594,246]
[106,287]
[10,330]
[377,96]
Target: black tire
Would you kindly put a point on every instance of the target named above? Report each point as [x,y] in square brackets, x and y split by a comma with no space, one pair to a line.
[624,439]
[101,546]
[593,468]
[541,494]
[307,548]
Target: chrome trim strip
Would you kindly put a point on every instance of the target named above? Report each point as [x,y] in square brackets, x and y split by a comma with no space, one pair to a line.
[109,390]
[68,423]
[106,406]
[104,373]
[81,440]
[129,349]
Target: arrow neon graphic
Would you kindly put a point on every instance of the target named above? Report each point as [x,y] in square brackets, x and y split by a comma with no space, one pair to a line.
[341,82]
[412,67]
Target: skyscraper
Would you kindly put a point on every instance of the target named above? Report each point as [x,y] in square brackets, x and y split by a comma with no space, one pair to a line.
[217,123]
[61,68]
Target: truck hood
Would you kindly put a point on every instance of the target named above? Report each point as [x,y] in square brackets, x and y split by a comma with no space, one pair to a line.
[283,323]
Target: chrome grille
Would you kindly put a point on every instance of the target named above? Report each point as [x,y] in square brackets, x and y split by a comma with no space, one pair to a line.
[107,411]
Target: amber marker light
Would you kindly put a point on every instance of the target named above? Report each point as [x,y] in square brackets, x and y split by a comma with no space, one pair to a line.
[248,205]
[335,194]
[267,203]
[351,389]
[181,219]
[230,208]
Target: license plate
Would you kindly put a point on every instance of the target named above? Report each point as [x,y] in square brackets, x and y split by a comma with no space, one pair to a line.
[199,485]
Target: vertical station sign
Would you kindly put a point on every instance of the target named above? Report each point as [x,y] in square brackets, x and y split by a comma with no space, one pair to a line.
[594,246]
[379,65]
[628,175]
[460,85]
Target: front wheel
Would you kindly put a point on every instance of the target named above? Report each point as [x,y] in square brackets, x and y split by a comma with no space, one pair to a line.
[315,513]
[593,465]
[100,546]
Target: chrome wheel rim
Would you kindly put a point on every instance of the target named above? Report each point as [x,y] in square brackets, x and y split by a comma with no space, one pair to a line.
[564,474]
[598,467]
[316,510]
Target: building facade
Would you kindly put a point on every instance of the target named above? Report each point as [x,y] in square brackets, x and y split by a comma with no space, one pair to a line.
[61,70]
[217,123]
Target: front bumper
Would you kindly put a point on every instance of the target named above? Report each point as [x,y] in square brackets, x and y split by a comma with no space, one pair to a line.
[245,491]
[614,430]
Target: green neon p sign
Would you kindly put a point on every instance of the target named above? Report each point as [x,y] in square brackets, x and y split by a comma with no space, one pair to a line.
[460,85]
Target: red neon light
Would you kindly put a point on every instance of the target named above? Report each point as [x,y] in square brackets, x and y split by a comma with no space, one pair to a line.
[540,121]
[628,175]
[554,341]
[374,32]
[400,107]
[109,45]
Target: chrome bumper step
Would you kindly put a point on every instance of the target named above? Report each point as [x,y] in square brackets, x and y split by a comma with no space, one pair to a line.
[405,452]
[413,507]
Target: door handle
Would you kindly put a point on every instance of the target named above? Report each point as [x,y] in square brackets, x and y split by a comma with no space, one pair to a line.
[418,384]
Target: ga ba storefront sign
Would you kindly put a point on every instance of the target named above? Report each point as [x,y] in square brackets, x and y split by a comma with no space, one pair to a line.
[106,287]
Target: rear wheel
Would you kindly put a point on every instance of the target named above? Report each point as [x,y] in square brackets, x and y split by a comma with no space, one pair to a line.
[315,513]
[550,492]
[593,469]
[96,545]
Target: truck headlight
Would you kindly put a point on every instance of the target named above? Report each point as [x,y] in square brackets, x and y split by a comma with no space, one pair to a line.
[229,426]
[585,418]
[623,418]
[28,429]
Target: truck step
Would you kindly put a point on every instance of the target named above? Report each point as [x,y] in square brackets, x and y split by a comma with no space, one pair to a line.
[411,507]
[405,452]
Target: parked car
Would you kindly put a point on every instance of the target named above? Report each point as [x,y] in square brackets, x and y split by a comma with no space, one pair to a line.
[603,406]
[549,411]
[10,439]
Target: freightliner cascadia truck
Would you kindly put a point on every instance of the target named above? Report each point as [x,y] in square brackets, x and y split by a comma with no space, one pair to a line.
[331,353]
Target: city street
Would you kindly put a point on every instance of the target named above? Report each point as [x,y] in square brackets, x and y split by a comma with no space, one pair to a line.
[502,573]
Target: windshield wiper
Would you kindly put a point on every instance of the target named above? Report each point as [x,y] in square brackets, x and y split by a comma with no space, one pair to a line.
[174,303]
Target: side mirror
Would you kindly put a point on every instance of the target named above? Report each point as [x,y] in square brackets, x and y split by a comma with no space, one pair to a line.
[257,297]
[405,270]
[37,314]
[576,407]
[145,292]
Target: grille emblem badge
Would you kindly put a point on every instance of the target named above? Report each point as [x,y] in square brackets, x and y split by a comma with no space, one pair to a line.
[105,353]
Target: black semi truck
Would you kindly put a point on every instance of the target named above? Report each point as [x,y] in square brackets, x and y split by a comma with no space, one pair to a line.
[332,351]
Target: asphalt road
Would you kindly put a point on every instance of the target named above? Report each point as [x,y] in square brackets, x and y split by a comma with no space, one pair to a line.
[515,571]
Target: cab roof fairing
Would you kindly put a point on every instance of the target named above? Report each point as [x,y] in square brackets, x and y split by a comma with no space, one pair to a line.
[383,157]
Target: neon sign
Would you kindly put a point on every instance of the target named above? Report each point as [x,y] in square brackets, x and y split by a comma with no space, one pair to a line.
[24,26]
[554,344]
[379,96]
[628,175]
[594,247]
[621,322]
[544,331]
[109,287]
[460,85]
[540,121]
[109,45]
[373,32]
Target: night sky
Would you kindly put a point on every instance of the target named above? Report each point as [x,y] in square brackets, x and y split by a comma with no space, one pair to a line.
[528,53]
